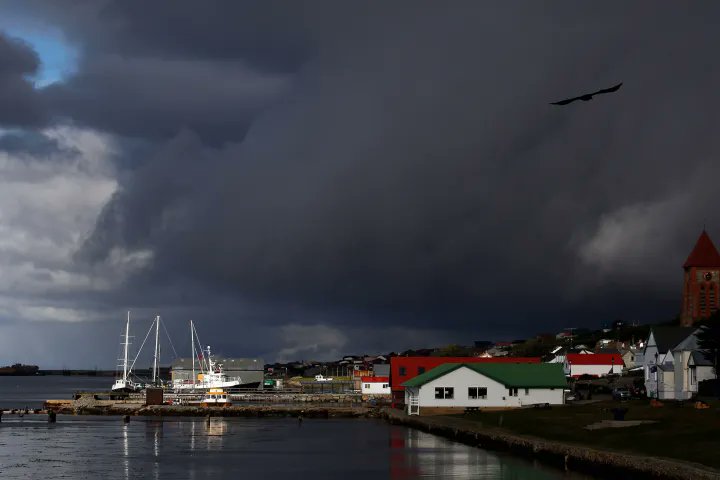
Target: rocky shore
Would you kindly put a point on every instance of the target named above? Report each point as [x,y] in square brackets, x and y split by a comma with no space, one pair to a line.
[90,406]
[599,463]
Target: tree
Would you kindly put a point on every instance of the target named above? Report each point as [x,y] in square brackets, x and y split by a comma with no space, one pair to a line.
[452,350]
[709,339]
[531,348]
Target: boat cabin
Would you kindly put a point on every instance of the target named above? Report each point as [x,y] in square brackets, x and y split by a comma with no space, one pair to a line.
[216,397]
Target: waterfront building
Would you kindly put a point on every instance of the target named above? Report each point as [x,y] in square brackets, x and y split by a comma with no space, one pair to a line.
[403,369]
[455,387]
[701,282]
[375,386]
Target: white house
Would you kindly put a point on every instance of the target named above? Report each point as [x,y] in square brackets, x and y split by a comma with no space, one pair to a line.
[629,358]
[594,364]
[453,387]
[659,360]
[690,367]
[375,385]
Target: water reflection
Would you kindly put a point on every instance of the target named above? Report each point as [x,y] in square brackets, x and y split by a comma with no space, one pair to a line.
[154,434]
[415,454]
[126,451]
[243,448]
[216,428]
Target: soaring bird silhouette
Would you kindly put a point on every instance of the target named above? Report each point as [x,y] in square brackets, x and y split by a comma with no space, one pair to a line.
[588,96]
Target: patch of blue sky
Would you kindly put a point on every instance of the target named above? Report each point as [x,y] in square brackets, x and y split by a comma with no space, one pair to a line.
[57,57]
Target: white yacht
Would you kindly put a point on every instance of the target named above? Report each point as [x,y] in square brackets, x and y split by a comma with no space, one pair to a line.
[124,383]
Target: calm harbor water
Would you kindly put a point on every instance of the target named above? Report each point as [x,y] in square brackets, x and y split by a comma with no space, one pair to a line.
[267,448]
[19,392]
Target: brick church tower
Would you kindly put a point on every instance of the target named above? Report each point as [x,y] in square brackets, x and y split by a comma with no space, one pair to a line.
[701,287]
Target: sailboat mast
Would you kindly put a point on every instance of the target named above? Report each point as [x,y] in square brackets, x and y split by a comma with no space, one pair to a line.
[192,341]
[127,337]
[156,365]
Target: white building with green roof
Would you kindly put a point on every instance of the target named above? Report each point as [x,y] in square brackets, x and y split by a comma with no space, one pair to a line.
[454,387]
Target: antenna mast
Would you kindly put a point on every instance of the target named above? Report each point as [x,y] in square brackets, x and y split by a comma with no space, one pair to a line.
[192,342]
[156,364]
[127,340]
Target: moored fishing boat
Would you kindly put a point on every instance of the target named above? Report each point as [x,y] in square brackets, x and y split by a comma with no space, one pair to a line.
[206,372]
[216,397]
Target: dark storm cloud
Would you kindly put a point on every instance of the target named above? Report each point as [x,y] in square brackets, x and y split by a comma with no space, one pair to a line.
[19,105]
[155,97]
[323,166]
[149,70]
[417,168]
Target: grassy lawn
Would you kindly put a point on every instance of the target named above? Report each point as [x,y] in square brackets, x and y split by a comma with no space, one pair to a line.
[683,433]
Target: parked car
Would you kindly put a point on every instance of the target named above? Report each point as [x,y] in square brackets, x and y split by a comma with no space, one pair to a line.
[621,393]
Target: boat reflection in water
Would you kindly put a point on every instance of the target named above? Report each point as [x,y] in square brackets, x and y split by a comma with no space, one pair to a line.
[215,429]
[415,454]
[267,448]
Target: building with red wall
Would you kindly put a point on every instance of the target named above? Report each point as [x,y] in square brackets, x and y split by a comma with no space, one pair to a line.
[701,282]
[403,369]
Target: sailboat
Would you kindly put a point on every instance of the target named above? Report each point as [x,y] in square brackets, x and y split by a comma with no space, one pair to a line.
[124,383]
[211,374]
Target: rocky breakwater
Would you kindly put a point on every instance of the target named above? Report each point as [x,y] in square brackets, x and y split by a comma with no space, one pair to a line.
[298,398]
[87,405]
[599,463]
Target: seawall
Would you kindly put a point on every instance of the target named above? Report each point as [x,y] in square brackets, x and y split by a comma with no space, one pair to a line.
[598,463]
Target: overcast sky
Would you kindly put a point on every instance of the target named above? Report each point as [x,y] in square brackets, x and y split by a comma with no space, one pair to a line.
[307,179]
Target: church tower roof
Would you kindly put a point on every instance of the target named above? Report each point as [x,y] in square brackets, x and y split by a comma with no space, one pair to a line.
[704,254]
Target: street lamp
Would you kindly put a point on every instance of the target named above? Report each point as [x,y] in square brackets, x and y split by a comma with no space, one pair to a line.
[657,377]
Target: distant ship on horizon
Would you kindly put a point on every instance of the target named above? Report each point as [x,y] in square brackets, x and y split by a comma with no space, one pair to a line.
[19,369]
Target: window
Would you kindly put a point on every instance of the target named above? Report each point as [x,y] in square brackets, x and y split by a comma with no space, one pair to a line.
[444,393]
[693,376]
[475,393]
[367,385]
[402,372]
[421,370]
[527,391]
[386,385]
[512,392]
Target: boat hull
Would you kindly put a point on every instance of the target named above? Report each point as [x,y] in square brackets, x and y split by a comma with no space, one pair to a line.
[19,370]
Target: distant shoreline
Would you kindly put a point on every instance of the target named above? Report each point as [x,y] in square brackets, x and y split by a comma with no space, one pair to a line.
[75,373]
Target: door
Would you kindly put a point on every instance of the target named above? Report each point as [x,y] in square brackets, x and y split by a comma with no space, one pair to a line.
[414,405]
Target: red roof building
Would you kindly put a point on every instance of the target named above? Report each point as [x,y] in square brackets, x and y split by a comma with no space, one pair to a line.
[375,385]
[403,369]
[594,364]
[703,254]
[701,282]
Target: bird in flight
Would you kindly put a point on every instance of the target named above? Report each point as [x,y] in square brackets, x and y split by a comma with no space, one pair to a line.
[588,96]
